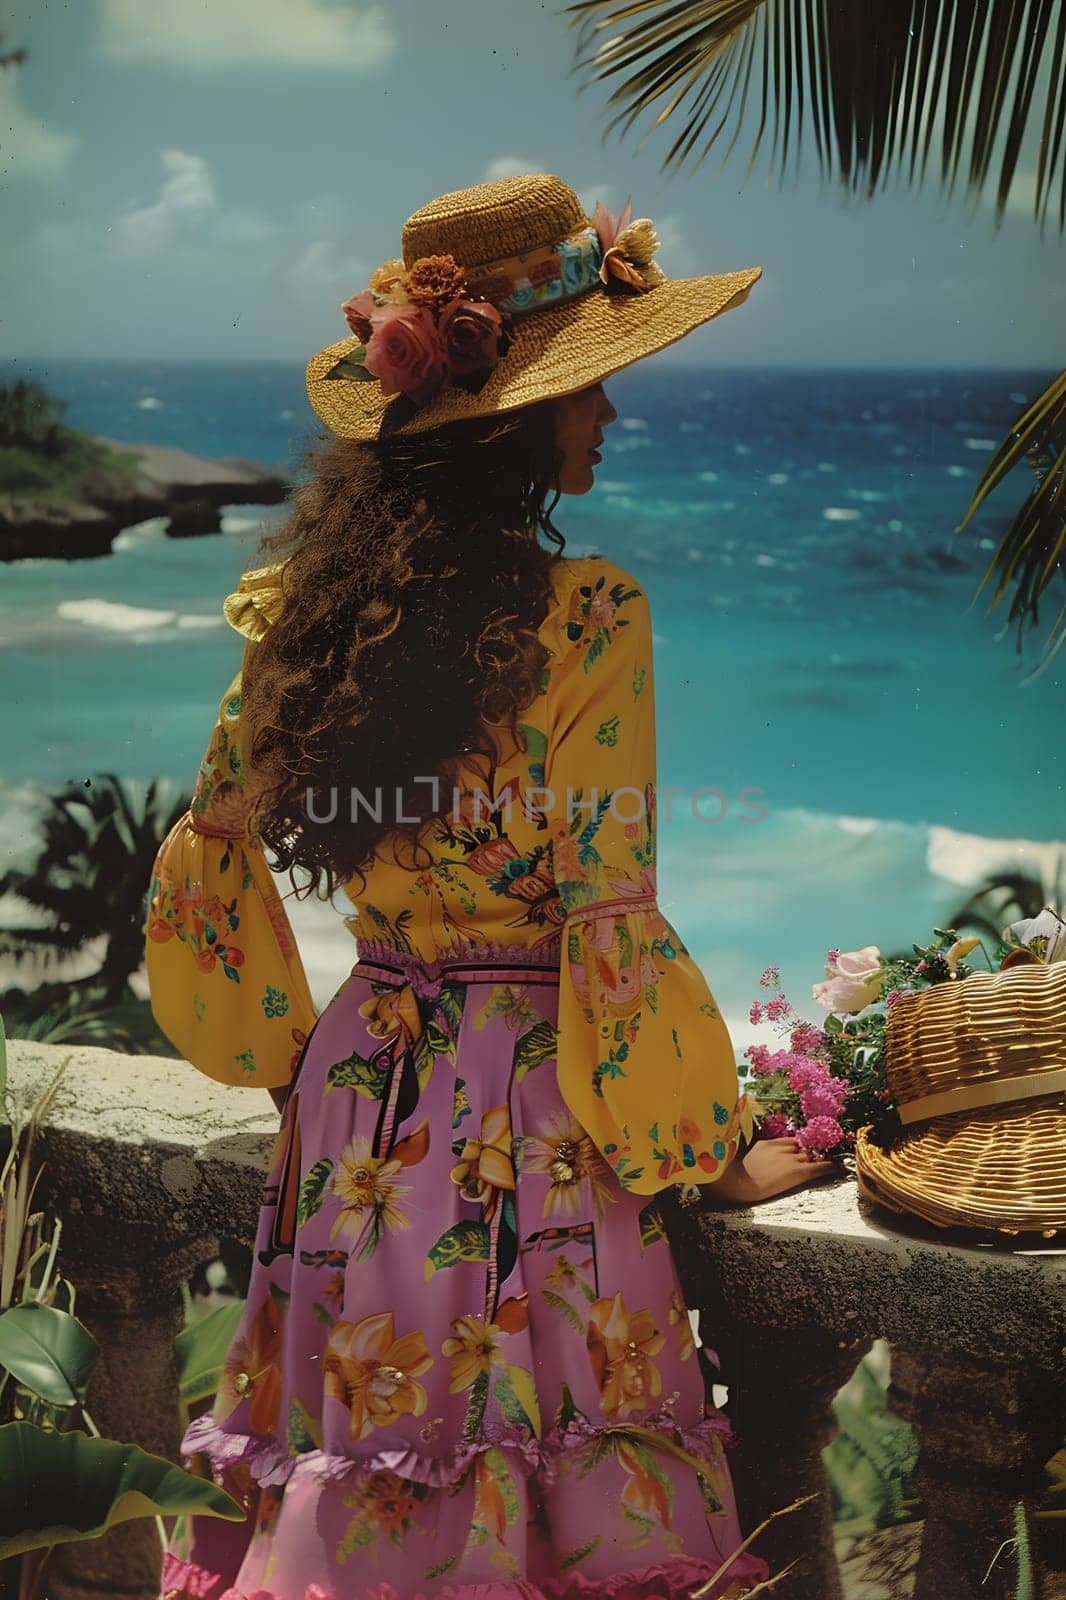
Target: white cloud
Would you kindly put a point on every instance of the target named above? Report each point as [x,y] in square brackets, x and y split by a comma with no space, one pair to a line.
[510,167]
[247,33]
[188,207]
[27,145]
[324,262]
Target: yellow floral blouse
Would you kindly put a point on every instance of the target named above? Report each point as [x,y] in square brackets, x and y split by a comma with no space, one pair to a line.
[553,840]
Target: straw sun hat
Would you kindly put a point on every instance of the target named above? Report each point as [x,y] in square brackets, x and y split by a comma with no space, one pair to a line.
[507,293]
[977,1069]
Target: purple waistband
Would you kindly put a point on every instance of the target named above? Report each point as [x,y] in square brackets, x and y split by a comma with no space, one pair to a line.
[481,963]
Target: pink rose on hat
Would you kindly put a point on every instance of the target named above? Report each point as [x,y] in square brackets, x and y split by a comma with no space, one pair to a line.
[405,352]
[471,332]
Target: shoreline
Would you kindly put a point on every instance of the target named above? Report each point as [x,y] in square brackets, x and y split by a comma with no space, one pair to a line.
[154,481]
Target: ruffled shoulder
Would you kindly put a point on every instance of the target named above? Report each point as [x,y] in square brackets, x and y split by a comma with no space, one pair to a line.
[256,603]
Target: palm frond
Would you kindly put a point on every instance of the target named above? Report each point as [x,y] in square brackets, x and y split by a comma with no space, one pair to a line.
[1032,553]
[871,80]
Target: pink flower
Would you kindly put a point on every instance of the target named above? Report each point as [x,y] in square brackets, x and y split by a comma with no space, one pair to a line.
[770,978]
[825,1099]
[805,1072]
[759,1056]
[777,1008]
[832,956]
[776,1125]
[893,995]
[806,1038]
[755,1014]
[820,1134]
[853,980]
[405,352]
[471,331]
[358,313]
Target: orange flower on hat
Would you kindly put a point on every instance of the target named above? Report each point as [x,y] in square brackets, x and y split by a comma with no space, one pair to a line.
[389,282]
[628,248]
[252,1370]
[621,1345]
[374,1373]
[433,280]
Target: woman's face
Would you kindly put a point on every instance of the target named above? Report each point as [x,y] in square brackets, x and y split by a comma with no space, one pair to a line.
[579,423]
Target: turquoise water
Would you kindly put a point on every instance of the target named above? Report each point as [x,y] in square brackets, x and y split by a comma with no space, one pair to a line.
[816,646]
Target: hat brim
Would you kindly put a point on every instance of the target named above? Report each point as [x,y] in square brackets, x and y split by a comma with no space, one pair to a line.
[1001,1167]
[553,352]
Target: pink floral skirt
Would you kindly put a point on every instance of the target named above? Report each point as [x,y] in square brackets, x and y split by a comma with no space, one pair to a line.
[465,1368]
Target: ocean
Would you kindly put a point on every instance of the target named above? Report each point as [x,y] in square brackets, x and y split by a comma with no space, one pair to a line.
[848,734]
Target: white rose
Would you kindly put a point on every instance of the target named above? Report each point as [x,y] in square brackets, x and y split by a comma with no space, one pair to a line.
[853,980]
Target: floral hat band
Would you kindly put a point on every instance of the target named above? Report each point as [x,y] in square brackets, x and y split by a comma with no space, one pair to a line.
[439,321]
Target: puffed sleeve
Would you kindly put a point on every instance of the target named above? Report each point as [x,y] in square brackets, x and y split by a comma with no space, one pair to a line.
[644,1058]
[226,980]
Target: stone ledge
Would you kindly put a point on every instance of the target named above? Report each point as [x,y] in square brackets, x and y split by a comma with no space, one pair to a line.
[826,1257]
[148,1140]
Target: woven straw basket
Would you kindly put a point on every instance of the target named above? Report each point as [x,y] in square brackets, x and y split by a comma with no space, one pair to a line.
[977,1068]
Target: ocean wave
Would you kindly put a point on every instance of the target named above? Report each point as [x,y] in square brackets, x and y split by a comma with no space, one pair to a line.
[138,623]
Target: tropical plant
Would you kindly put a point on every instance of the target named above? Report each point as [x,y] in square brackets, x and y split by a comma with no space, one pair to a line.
[56,1483]
[873,81]
[12,58]
[1007,897]
[90,878]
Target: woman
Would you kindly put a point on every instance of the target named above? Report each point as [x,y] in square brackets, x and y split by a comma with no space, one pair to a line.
[465,1367]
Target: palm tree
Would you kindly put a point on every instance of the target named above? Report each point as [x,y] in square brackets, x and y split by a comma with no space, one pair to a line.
[12,58]
[870,79]
[1007,897]
[91,875]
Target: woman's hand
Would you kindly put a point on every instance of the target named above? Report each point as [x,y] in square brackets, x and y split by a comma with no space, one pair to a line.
[771,1167]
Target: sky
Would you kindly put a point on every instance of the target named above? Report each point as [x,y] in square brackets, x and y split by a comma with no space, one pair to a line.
[210,178]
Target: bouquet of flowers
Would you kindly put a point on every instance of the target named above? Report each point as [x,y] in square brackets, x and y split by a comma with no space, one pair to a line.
[824,1082]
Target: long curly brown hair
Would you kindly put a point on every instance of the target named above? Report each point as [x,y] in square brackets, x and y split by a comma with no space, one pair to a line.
[414,588]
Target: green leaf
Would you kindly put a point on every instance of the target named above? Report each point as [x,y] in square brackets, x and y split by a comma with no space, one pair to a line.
[60,1487]
[557,1303]
[48,1351]
[437,1041]
[351,366]
[567,1409]
[442,1566]
[312,1190]
[355,1072]
[580,1553]
[496,1462]
[535,1047]
[518,1399]
[651,1226]
[536,741]
[466,1241]
[303,1432]
[475,1409]
[201,1350]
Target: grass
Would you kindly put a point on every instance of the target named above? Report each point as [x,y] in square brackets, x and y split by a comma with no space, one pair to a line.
[81,470]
